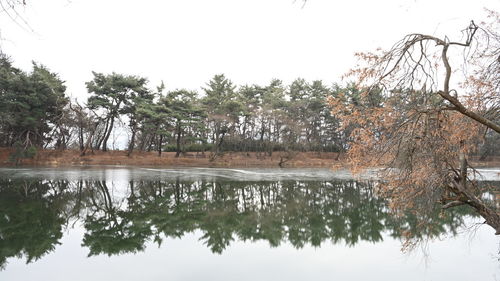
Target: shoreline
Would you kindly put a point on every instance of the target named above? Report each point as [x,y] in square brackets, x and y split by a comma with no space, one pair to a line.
[72,158]
[68,158]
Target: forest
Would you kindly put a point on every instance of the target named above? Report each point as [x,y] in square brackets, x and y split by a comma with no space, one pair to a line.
[37,113]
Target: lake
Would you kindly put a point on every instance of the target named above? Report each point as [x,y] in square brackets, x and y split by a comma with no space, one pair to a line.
[117,223]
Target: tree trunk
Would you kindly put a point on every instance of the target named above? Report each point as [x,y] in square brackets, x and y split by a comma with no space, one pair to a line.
[80,138]
[159,145]
[491,216]
[108,133]
[101,138]
[218,146]
[178,141]
[132,143]
[89,139]
[152,141]
[461,187]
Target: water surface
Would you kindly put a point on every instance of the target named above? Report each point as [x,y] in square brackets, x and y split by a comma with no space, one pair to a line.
[115,223]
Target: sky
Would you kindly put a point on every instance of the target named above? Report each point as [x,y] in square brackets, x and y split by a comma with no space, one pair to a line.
[186,42]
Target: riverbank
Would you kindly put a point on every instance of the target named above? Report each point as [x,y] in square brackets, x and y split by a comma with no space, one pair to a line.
[229,159]
[61,158]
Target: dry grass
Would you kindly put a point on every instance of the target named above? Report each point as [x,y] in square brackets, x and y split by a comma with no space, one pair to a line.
[229,159]
[193,159]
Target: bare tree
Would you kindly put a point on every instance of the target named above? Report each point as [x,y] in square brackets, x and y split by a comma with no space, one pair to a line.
[425,129]
[86,124]
[11,9]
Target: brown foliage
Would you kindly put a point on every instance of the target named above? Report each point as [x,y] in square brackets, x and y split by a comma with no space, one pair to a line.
[424,130]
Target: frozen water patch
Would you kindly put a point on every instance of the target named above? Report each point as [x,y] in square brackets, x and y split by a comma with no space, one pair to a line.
[186,174]
[231,174]
[127,173]
[256,174]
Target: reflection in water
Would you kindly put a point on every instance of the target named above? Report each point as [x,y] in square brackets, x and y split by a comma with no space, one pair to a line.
[122,219]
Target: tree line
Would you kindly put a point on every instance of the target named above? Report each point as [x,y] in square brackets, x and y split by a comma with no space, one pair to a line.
[36,112]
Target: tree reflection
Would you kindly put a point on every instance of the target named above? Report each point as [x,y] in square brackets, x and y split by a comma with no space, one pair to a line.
[109,229]
[296,212]
[31,218]
[34,213]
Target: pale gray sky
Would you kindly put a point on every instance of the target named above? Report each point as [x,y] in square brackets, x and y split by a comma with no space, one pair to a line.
[184,43]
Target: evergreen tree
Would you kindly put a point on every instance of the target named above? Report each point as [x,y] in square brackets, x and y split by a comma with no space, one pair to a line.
[30,104]
[114,94]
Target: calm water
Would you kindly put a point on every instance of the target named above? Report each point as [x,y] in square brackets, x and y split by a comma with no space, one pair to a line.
[118,223]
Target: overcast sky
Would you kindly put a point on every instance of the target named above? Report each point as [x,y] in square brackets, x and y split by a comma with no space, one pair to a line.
[186,42]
